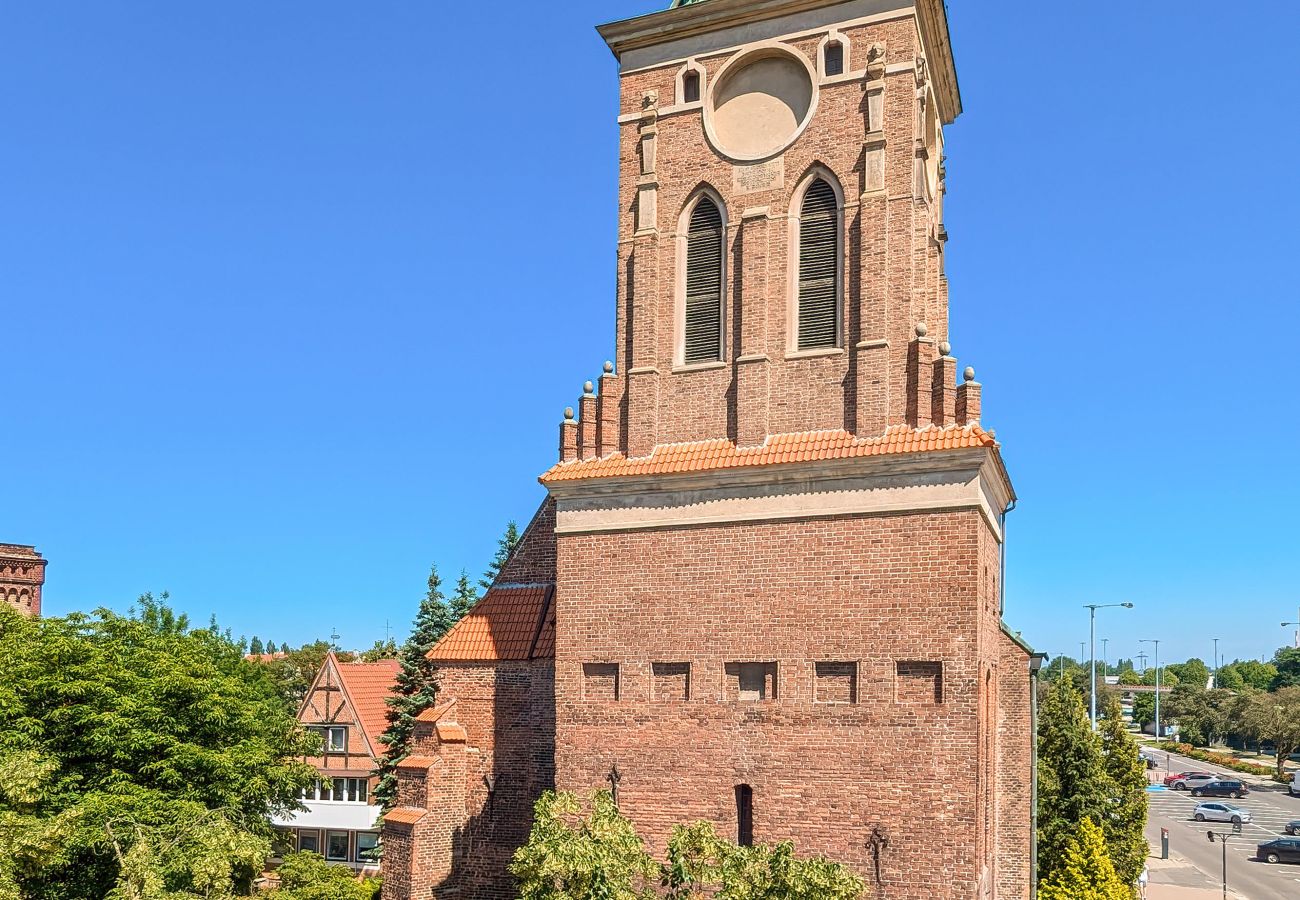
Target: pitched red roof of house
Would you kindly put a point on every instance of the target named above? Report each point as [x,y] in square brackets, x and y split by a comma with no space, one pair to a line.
[807,446]
[369,685]
[504,625]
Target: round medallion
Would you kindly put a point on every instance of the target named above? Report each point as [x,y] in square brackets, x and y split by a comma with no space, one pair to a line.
[759,104]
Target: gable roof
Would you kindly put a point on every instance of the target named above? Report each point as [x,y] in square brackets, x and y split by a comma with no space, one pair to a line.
[806,446]
[511,622]
[364,687]
[368,685]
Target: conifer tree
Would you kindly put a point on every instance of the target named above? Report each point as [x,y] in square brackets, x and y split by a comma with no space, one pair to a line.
[505,546]
[1072,786]
[271,648]
[1124,826]
[464,597]
[1085,872]
[417,687]
[255,646]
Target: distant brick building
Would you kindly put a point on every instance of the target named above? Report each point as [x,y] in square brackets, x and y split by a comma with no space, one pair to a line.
[765,587]
[22,575]
[345,705]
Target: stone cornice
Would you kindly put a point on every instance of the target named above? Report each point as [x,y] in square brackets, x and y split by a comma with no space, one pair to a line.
[953,479]
[933,18]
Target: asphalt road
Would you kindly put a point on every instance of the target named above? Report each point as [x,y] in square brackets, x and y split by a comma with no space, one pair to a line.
[1270,807]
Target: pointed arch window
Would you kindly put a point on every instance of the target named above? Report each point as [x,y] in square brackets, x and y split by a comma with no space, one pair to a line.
[703,326]
[819,267]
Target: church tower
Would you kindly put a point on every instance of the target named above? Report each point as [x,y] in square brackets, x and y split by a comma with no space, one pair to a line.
[22,575]
[765,588]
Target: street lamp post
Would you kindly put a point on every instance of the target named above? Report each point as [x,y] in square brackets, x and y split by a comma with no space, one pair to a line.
[1297,630]
[1214,662]
[1105,658]
[1092,634]
[1156,663]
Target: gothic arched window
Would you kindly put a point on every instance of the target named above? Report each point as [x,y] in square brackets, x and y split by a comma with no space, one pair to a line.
[703,324]
[819,268]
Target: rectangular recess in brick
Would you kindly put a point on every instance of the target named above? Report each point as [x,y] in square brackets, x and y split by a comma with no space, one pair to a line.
[836,682]
[751,681]
[670,681]
[600,681]
[919,683]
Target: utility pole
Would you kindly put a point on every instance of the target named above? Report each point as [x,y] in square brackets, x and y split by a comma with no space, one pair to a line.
[1105,665]
[1142,660]
[1214,663]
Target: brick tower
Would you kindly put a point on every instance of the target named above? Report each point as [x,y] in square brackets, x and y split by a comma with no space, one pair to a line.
[765,588]
[22,574]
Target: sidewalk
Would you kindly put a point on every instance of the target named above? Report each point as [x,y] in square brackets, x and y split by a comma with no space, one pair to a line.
[1177,879]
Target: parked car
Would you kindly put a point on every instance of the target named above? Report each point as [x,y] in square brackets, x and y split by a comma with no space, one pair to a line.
[1221,812]
[1197,779]
[1176,781]
[1294,788]
[1279,850]
[1293,827]
[1233,790]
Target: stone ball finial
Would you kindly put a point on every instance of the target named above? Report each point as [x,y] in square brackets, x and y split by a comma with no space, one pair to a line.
[921,330]
[609,367]
[568,413]
[969,374]
[945,349]
[588,387]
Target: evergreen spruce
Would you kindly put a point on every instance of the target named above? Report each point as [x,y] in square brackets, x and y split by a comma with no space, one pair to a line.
[505,546]
[464,597]
[271,648]
[255,646]
[417,687]
[1072,785]
[1124,826]
[1085,871]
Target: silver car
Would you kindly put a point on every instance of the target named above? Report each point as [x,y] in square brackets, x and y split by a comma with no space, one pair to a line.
[1221,812]
[1192,782]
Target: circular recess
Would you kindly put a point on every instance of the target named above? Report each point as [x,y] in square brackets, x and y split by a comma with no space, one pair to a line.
[759,104]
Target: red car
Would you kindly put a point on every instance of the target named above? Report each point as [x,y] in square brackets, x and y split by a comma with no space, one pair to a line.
[1176,781]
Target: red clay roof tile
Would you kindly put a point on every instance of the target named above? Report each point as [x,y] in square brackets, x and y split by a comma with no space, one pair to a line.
[671,459]
[501,626]
[369,685]
[405,815]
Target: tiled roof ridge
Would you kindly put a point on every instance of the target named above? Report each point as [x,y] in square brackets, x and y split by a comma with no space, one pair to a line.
[714,453]
[506,624]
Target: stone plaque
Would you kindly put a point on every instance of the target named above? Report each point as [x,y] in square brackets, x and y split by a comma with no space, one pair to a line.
[764,176]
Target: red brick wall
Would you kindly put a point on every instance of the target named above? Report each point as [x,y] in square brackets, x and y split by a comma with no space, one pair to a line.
[903,597]
[893,268]
[22,576]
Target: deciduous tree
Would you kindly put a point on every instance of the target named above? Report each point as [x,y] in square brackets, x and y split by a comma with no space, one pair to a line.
[138,758]
[1274,717]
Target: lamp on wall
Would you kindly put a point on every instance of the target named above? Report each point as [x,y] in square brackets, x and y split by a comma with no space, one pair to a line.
[491,782]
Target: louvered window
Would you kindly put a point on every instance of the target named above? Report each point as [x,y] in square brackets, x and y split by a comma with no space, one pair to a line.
[834,58]
[704,284]
[691,87]
[819,246]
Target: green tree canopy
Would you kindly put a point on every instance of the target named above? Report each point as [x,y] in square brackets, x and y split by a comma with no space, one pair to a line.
[1072,784]
[506,545]
[385,649]
[1125,822]
[1085,872]
[416,688]
[255,646]
[138,758]
[1274,717]
[573,854]
[307,876]
[1256,674]
[1229,678]
[1287,663]
[464,597]
[1193,673]
[296,670]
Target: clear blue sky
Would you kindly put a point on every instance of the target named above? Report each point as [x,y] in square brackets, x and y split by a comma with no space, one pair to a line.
[294,295]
